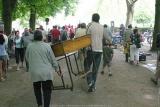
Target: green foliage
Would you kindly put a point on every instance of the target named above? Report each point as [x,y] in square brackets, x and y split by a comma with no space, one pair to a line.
[43,8]
[142,18]
[0,8]
[36,9]
[24,23]
[21,11]
[70,7]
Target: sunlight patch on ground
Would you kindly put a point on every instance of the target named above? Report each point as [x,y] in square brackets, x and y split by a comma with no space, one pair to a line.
[150,66]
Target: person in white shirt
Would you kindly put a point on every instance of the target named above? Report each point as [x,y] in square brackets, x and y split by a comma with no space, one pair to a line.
[96,30]
[81,31]
[44,34]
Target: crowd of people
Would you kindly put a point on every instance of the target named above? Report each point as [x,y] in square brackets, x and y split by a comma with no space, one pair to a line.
[17,43]
[33,48]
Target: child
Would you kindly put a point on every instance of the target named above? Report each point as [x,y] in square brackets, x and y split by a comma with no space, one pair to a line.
[107,58]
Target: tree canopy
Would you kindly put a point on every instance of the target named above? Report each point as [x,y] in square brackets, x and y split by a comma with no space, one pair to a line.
[14,9]
[43,8]
[143,18]
[0,7]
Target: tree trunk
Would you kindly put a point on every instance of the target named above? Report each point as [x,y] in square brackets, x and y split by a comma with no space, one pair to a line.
[156,25]
[157,74]
[7,16]
[130,12]
[8,7]
[32,20]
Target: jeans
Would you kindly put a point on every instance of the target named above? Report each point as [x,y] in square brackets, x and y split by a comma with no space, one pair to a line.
[95,59]
[46,87]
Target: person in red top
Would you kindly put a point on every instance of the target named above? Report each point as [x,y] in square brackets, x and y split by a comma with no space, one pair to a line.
[55,34]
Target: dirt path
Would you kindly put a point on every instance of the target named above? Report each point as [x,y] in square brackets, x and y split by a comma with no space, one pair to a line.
[130,86]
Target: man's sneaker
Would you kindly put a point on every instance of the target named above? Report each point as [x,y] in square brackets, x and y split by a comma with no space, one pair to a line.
[90,89]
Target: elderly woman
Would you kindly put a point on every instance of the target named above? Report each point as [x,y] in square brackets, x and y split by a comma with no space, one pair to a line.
[40,61]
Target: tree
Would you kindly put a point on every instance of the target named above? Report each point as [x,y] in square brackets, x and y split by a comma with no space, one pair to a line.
[13,9]
[130,11]
[0,8]
[8,7]
[143,18]
[99,5]
[42,8]
[69,6]
[156,25]
[155,42]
